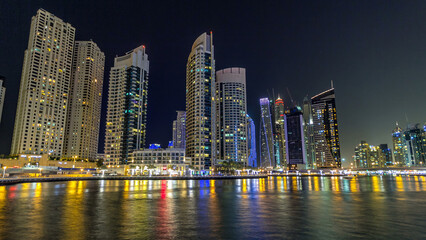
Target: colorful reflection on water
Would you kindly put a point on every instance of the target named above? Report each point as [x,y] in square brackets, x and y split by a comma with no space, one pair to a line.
[274,207]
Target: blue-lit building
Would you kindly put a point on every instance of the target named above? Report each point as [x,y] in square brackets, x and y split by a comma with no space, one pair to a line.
[251,141]
[267,156]
[295,139]
[414,144]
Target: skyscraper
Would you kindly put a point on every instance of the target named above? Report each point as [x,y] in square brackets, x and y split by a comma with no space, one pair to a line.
[45,87]
[251,142]
[325,130]
[84,106]
[200,110]
[398,146]
[280,151]
[385,155]
[362,155]
[413,139]
[179,130]
[294,137]
[2,94]
[267,159]
[231,115]
[308,132]
[127,106]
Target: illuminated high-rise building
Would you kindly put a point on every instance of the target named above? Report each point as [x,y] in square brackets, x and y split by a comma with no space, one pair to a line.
[385,155]
[294,137]
[2,94]
[399,155]
[362,155]
[251,142]
[127,106]
[309,136]
[414,143]
[200,109]
[267,158]
[325,130]
[45,87]
[231,115]
[84,106]
[179,130]
[279,133]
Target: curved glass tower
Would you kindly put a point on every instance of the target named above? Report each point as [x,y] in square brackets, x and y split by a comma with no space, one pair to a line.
[200,82]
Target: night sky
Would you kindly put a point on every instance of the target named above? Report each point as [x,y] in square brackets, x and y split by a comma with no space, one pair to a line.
[374,51]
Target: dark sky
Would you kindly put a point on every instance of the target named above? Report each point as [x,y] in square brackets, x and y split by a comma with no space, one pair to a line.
[374,51]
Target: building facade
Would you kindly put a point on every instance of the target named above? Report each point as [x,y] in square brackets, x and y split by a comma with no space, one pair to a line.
[231,115]
[127,106]
[309,136]
[41,114]
[398,146]
[160,159]
[84,106]
[279,133]
[2,94]
[179,126]
[267,157]
[251,143]
[414,143]
[325,130]
[200,109]
[362,155]
[294,137]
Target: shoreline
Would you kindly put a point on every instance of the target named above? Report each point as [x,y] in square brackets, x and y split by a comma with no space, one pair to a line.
[12,181]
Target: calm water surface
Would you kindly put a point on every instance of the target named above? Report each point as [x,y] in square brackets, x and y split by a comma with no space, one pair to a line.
[273,208]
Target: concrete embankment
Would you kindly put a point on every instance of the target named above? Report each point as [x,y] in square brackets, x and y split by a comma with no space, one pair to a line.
[8,181]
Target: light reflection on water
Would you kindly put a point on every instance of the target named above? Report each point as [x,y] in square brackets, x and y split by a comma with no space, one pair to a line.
[277,207]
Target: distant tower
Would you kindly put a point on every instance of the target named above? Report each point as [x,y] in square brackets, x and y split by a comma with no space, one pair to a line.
[179,130]
[295,139]
[127,106]
[251,142]
[231,115]
[280,132]
[399,156]
[309,136]
[200,109]
[266,135]
[362,155]
[385,155]
[84,106]
[2,94]
[45,87]
[325,130]
[414,143]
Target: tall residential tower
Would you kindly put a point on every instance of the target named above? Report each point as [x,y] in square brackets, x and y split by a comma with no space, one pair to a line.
[127,106]
[45,87]
[200,110]
[325,130]
[84,107]
[231,115]
[179,130]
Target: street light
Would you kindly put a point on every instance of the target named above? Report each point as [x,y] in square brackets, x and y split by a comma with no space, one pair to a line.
[4,170]
[40,170]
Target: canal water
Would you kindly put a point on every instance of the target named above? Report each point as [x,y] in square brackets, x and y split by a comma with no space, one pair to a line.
[272,208]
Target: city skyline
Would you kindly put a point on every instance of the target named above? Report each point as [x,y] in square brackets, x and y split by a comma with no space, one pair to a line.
[352,128]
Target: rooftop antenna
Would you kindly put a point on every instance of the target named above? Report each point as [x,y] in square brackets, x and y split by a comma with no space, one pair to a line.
[332,84]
